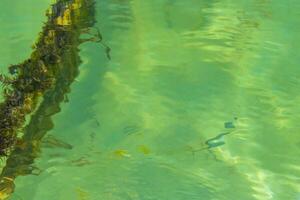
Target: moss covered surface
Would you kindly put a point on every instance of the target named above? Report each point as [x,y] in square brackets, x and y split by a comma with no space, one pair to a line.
[38,86]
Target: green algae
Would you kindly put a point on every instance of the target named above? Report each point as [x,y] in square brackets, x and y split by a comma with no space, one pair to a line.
[38,85]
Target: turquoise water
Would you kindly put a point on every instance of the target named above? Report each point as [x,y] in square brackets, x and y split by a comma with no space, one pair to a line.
[199,101]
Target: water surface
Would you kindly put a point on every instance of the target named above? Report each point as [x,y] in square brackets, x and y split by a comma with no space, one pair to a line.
[199,101]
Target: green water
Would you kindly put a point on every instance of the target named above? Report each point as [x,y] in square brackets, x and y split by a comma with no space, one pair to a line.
[181,73]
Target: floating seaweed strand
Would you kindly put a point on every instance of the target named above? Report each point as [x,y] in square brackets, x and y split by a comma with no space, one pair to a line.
[48,73]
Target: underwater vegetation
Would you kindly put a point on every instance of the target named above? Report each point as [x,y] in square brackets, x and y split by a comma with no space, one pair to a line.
[37,86]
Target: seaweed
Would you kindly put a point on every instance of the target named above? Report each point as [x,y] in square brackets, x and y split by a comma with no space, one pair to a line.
[38,85]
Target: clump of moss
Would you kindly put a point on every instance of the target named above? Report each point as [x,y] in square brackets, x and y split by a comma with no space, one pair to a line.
[35,76]
[48,73]
[20,98]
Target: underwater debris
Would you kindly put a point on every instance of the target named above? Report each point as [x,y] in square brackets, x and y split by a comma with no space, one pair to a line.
[82,194]
[40,84]
[51,142]
[229,125]
[97,37]
[82,161]
[133,129]
[216,141]
[144,149]
[211,143]
[97,123]
[121,153]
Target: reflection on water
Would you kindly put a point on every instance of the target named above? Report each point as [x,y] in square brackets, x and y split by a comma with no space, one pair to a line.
[182,75]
